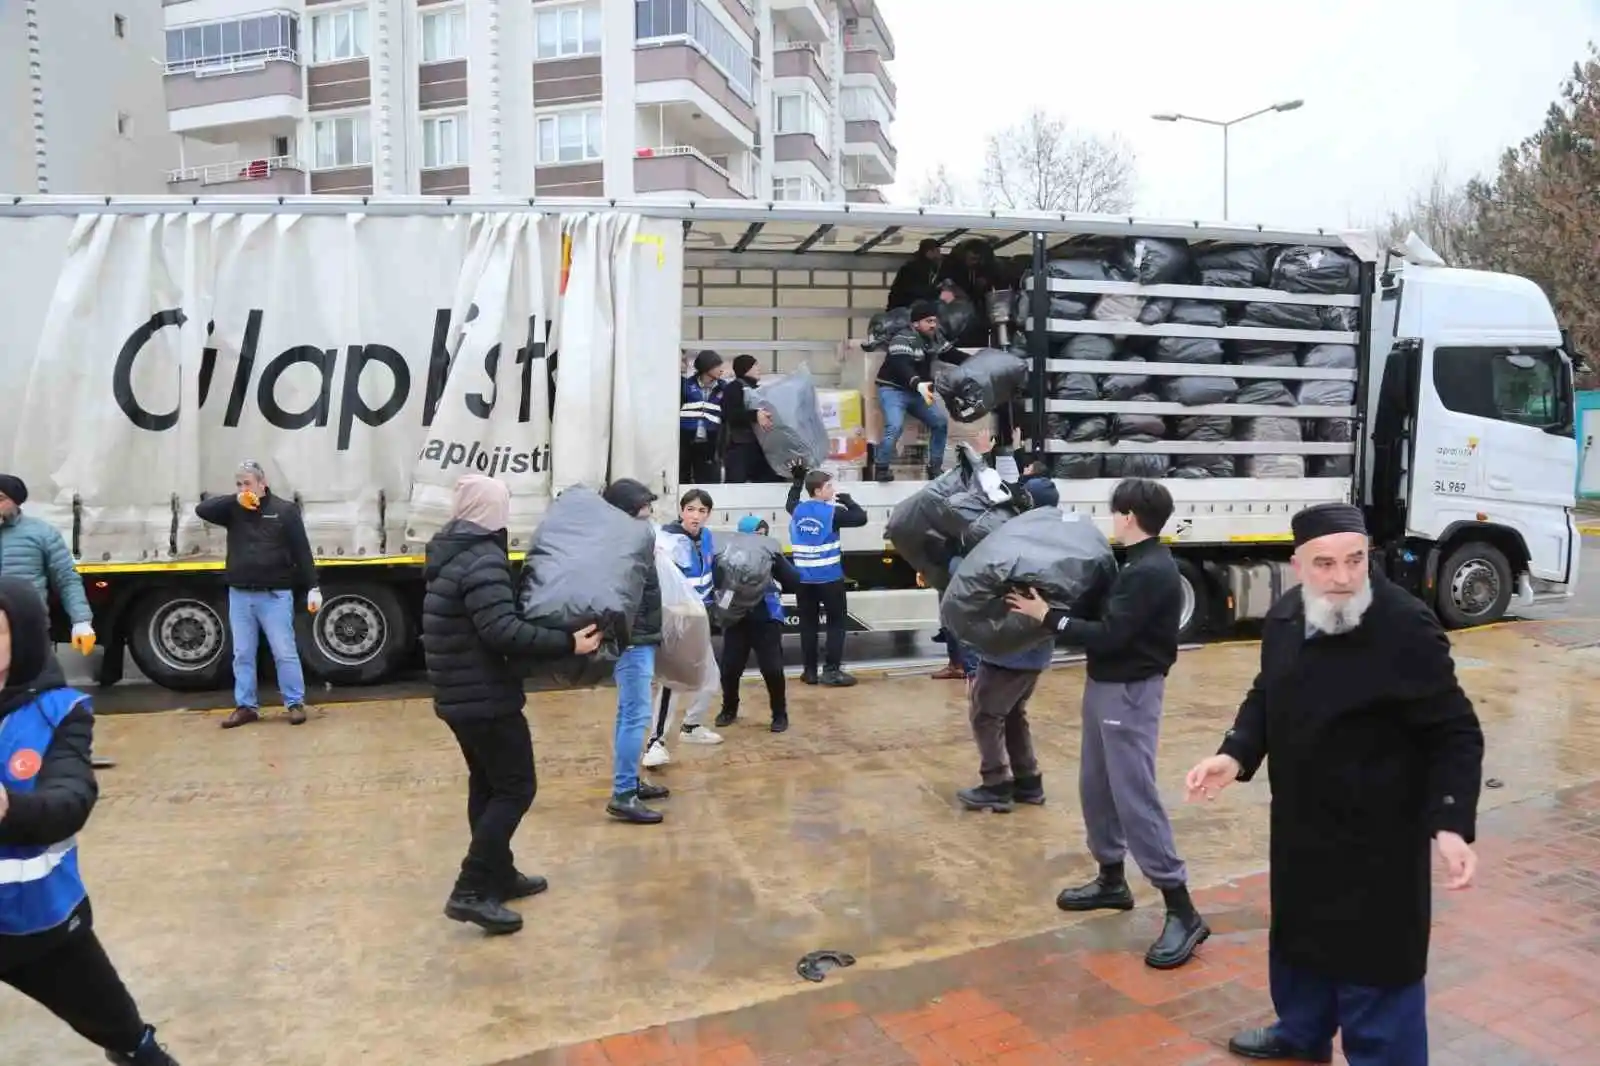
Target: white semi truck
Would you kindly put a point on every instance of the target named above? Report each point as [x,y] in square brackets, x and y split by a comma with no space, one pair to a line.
[356,349]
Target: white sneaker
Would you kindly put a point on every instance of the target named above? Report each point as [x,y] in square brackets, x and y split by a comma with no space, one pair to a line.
[657,756]
[699,735]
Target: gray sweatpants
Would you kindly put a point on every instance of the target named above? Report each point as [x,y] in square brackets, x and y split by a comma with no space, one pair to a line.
[1122,810]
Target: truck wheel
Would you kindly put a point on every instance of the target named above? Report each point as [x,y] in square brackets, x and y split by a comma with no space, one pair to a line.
[179,638]
[1196,602]
[1474,586]
[361,635]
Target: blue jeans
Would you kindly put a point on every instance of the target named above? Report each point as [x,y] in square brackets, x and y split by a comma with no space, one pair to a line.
[250,614]
[896,404]
[1377,1026]
[634,672]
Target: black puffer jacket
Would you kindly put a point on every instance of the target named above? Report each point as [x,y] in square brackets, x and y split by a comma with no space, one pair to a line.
[629,497]
[471,633]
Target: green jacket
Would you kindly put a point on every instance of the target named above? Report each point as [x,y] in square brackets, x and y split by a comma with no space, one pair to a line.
[31,549]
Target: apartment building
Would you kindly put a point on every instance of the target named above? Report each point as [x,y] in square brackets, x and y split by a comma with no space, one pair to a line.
[80,89]
[755,99]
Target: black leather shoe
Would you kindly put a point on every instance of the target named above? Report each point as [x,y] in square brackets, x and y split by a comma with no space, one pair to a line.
[650,792]
[490,915]
[1180,935]
[727,718]
[522,886]
[629,808]
[1265,1044]
[1029,790]
[993,798]
[1108,892]
[780,721]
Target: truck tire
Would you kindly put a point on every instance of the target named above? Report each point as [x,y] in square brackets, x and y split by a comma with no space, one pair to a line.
[1196,614]
[1474,586]
[362,634]
[179,638]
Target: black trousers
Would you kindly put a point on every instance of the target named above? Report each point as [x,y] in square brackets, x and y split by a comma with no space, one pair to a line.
[501,784]
[764,637]
[67,972]
[812,601]
[697,459]
[745,463]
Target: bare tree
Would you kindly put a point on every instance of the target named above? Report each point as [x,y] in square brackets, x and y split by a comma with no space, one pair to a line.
[1442,213]
[1040,164]
[939,186]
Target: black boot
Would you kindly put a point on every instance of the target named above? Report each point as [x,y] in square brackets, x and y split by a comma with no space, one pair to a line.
[994,798]
[521,886]
[1107,892]
[1265,1044]
[1184,931]
[726,718]
[1029,790]
[148,1053]
[808,676]
[780,721]
[490,915]
[629,808]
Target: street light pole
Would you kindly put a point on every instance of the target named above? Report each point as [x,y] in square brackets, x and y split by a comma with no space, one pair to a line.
[1173,116]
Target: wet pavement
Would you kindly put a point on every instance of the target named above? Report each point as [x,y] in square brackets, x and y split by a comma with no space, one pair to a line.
[273,894]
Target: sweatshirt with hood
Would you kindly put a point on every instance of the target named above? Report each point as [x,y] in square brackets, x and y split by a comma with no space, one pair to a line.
[472,636]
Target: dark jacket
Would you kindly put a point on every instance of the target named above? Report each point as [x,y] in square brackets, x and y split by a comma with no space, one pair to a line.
[738,421]
[1136,635]
[847,513]
[1373,749]
[471,632]
[267,547]
[906,362]
[646,628]
[917,279]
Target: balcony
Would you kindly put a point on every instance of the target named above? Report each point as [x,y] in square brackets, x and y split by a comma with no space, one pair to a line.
[810,20]
[865,61]
[867,143]
[678,75]
[683,170]
[800,59]
[278,175]
[864,194]
[801,148]
[864,27]
[233,98]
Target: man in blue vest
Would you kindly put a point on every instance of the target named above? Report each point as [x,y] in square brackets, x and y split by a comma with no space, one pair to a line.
[700,422]
[814,526]
[48,948]
[760,631]
[695,560]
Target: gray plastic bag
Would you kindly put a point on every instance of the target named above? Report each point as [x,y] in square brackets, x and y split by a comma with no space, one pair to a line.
[1061,554]
[1276,431]
[1138,464]
[797,434]
[741,572]
[988,379]
[1193,392]
[1324,271]
[587,564]
[914,525]
[1187,350]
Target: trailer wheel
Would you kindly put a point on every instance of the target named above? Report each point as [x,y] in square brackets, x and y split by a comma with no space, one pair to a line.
[1474,586]
[1196,614]
[359,637]
[179,638]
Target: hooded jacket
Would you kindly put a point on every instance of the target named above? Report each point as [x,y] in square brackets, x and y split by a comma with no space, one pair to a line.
[471,632]
[629,496]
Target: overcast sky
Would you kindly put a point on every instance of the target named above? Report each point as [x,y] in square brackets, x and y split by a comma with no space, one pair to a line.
[1392,90]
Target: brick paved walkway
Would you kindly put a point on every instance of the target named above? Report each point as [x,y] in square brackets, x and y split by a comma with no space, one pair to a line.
[1514,981]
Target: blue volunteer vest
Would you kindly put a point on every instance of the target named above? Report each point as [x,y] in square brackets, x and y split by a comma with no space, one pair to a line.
[699,570]
[701,408]
[39,887]
[815,542]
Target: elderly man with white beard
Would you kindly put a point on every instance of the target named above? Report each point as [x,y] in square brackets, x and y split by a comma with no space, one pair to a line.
[1376,759]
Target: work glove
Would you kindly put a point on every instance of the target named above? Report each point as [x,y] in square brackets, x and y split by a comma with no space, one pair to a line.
[925,390]
[248,500]
[314,601]
[83,637]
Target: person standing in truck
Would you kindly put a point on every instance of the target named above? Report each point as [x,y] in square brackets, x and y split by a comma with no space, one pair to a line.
[269,560]
[698,554]
[1375,757]
[918,278]
[48,947]
[814,526]
[743,461]
[905,388]
[700,421]
[760,631]
[1129,650]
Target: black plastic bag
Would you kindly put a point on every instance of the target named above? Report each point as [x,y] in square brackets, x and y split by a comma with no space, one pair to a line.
[988,379]
[914,526]
[1280,316]
[1138,464]
[1193,392]
[1083,388]
[1071,308]
[956,317]
[1265,391]
[1199,313]
[1347,319]
[1324,271]
[797,434]
[1080,430]
[1084,270]
[1263,353]
[1331,431]
[883,325]
[1155,311]
[741,575]
[1125,386]
[1188,350]
[1252,262]
[1089,346]
[1202,429]
[587,564]
[1081,466]
[1154,261]
[1127,426]
[1061,555]
[1229,279]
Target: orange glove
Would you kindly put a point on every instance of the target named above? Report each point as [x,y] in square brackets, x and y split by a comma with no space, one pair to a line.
[248,500]
[83,637]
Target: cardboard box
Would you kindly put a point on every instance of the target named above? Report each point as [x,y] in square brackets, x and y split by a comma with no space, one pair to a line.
[841,411]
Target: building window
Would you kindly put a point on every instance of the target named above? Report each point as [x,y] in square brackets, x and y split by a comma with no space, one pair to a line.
[119,25]
[274,36]
[660,20]
[339,35]
[444,141]
[344,141]
[444,35]
[567,31]
[1517,385]
[797,189]
[801,113]
[570,137]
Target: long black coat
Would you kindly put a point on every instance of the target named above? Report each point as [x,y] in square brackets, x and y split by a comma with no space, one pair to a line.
[471,633]
[1373,748]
